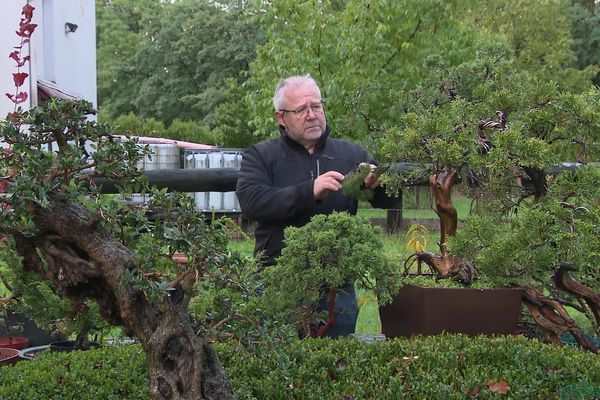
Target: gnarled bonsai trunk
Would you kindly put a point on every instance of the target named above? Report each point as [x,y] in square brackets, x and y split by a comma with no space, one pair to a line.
[551,316]
[563,281]
[85,261]
[446,265]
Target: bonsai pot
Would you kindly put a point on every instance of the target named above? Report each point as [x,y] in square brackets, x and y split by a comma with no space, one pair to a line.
[430,311]
[14,342]
[69,345]
[9,356]
[29,353]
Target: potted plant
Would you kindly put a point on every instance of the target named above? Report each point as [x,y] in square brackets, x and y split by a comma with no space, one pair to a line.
[494,131]
[320,258]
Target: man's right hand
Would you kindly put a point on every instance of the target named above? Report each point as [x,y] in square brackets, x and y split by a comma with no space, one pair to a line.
[330,181]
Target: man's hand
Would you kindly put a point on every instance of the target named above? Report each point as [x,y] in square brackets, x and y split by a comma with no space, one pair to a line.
[371,181]
[328,182]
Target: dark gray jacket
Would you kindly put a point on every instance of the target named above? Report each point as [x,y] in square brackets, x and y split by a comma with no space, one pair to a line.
[275,186]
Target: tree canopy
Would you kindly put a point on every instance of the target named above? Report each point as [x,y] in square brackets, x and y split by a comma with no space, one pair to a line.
[386,49]
[168,60]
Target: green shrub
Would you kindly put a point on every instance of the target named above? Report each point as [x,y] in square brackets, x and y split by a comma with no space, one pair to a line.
[106,373]
[441,367]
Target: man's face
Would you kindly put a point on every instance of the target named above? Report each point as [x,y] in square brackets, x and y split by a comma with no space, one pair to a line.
[305,129]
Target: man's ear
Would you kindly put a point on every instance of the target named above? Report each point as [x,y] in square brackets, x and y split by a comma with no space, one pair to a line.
[280,121]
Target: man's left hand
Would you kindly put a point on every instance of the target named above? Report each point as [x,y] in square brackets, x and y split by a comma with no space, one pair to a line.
[371,181]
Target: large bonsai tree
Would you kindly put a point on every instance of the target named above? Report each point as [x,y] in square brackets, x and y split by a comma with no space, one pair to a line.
[496,132]
[92,247]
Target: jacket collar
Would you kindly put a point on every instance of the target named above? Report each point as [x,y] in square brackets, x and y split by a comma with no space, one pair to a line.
[296,145]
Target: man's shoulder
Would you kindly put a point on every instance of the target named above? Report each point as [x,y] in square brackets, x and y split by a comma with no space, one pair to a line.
[343,144]
[265,144]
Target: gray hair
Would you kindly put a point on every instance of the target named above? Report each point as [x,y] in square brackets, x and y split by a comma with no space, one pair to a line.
[292,82]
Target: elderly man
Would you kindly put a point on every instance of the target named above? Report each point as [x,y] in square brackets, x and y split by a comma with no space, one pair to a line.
[286,181]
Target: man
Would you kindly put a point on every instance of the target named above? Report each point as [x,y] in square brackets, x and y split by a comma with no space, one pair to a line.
[286,181]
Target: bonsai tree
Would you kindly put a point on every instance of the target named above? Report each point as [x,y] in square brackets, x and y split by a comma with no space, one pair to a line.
[92,247]
[496,132]
[322,257]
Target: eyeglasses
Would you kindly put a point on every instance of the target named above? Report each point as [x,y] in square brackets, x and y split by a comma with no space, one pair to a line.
[302,112]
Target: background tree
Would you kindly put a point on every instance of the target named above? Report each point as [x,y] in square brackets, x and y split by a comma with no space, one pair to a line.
[586,34]
[121,27]
[385,46]
[539,32]
[170,60]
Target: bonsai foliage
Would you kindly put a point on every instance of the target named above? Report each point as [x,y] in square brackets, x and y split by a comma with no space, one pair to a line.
[496,132]
[322,256]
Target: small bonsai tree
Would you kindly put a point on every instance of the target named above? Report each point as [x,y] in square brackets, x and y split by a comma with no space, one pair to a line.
[323,256]
[496,132]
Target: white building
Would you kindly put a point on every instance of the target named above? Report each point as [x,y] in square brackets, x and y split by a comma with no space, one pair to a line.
[62,49]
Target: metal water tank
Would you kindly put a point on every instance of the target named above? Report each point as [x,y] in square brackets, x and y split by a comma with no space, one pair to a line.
[220,202]
[162,156]
[198,160]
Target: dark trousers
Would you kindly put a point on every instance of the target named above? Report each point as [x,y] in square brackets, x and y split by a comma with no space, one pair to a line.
[346,311]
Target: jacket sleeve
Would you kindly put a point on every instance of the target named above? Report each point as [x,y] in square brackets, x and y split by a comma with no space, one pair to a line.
[261,200]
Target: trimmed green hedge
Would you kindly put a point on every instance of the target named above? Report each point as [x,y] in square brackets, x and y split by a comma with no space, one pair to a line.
[442,367]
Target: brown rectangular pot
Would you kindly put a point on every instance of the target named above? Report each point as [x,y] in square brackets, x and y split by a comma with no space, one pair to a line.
[429,311]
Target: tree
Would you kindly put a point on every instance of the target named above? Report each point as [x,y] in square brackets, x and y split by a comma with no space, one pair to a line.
[485,124]
[539,32]
[383,54]
[91,247]
[121,27]
[322,257]
[383,43]
[174,60]
[585,23]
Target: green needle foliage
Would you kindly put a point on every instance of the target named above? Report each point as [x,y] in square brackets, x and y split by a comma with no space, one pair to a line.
[353,184]
[328,252]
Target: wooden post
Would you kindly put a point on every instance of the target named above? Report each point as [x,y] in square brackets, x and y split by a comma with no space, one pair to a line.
[394,217]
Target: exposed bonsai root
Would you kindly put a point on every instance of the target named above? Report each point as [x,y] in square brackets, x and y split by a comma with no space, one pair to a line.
[447,266]
[551,316]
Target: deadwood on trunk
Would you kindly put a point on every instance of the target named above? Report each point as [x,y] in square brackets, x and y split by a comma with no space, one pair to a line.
[84,261]
[444,264]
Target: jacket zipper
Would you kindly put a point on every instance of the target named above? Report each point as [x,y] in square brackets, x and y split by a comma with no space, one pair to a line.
[313,176]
